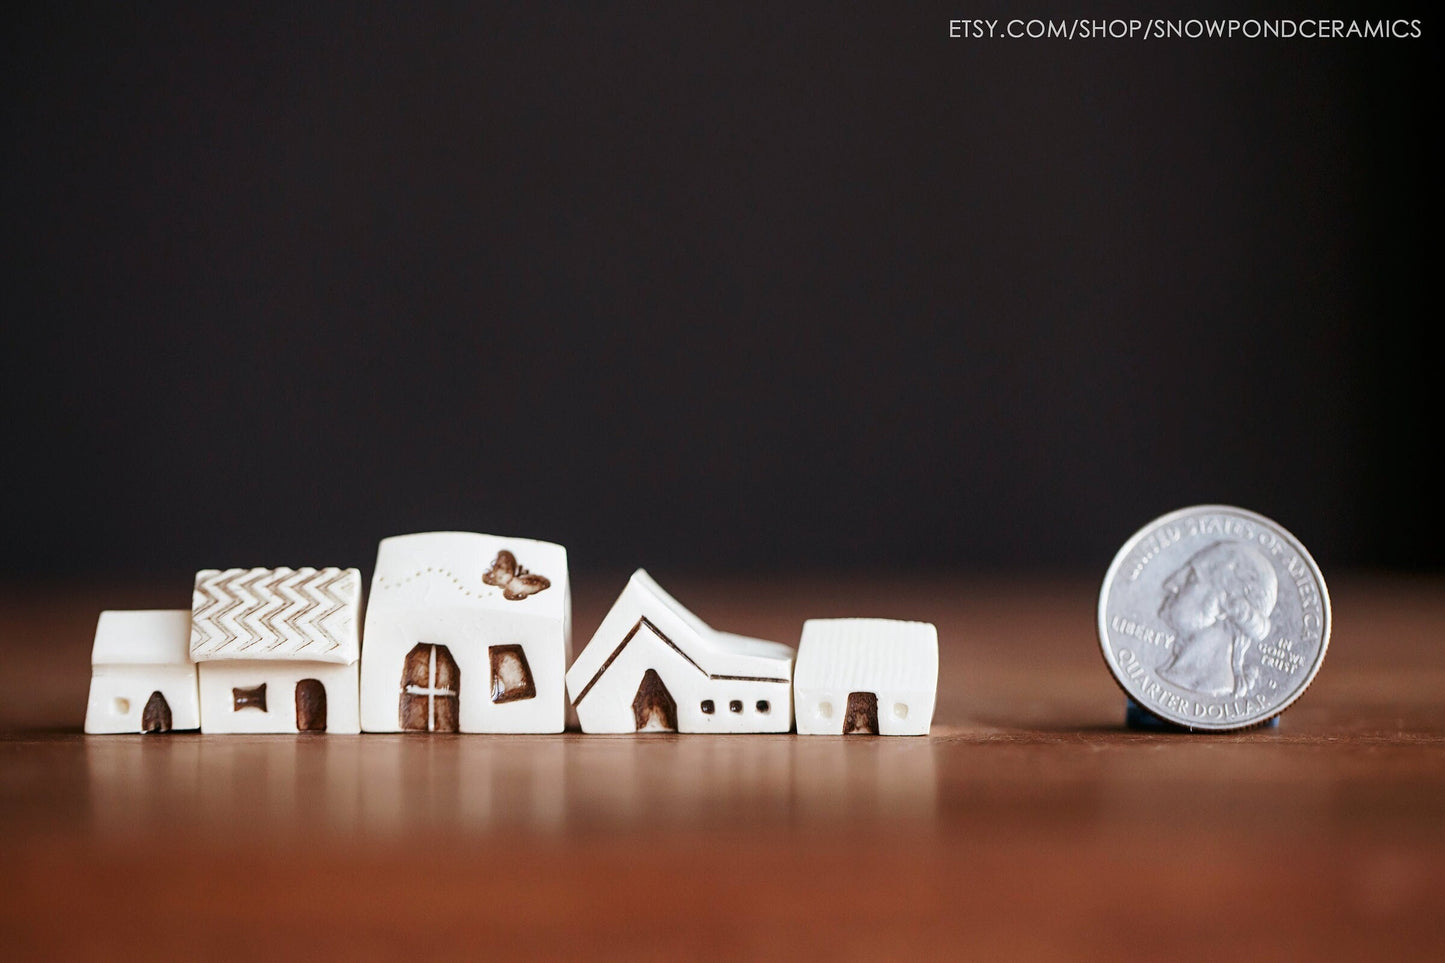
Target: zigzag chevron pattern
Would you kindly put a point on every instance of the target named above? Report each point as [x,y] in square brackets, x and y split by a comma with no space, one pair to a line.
[276,613]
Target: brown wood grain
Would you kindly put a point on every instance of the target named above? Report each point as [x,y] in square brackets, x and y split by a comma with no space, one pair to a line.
[1029,825]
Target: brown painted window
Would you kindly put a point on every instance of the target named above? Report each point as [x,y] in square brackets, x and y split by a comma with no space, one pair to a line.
[862,715]
[252,698]
[735,706]
[764,707]
[310,706]
[511,676]
[156,716]
[708,707]
[653,708]
[430,687]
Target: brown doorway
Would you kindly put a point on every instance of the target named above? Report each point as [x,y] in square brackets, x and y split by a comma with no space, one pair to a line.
[310,706]
[431,685]
[861,719]
[156,716]
[653,708]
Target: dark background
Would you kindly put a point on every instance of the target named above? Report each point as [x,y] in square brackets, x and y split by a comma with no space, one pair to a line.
[790,287]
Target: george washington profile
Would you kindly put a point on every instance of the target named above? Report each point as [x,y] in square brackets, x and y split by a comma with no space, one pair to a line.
[1220,602]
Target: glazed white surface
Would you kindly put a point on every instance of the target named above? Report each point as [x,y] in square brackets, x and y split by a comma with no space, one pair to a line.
[142,637]
[219,715]
[137,653]
[428,588]
[895,660]
[649,629]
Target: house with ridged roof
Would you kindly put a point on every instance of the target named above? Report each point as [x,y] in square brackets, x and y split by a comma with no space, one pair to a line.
[866,677]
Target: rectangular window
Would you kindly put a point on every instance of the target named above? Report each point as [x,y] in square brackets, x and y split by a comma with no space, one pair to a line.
[252,698]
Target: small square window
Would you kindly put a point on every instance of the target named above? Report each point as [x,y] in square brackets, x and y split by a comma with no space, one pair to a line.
[764,707]
[707,707]
[735,706]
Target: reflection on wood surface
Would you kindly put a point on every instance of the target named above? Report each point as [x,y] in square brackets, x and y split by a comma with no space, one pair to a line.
[1011,831]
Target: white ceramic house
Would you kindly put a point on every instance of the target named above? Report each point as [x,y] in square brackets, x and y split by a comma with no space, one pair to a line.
[142,678]
[866,676]
[467,633]
[277,649]
[654,666]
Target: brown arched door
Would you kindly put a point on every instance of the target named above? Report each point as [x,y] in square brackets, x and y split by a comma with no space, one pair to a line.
[431,686]
[653,708]
[310,706]
[156,716]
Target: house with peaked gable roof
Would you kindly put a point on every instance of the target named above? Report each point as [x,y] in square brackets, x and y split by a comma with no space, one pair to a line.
[653,666]
[277,649]
[467,633]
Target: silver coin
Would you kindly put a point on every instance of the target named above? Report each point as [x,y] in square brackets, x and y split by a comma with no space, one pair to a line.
[1213,617]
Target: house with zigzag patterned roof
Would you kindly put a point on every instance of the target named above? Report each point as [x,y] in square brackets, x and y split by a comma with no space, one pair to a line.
[277,649]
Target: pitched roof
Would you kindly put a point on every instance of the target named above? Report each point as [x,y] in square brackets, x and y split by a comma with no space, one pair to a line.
[303,614]
[850,655]
[144,637]
[718,655]
[451,569]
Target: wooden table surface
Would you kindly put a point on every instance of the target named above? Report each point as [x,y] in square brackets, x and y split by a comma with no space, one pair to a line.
[1031,824]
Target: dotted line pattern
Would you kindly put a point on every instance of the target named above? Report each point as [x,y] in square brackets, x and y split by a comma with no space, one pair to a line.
[430,572]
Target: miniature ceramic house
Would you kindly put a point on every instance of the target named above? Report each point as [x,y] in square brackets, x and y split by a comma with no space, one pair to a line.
[277,649]
[654,666]
[142,678]
[467,633]
[866,676]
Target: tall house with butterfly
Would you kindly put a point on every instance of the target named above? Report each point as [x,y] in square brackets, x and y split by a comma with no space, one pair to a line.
[466,633]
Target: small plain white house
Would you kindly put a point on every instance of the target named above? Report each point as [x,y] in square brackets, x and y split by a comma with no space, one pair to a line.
[866,676]
[654,666]
[277,649]
[142,678]
[467,633]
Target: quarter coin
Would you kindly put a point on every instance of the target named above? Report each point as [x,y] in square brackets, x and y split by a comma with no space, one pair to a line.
[1213,617]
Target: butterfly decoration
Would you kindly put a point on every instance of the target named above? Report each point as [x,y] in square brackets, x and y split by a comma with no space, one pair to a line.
[514,580]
